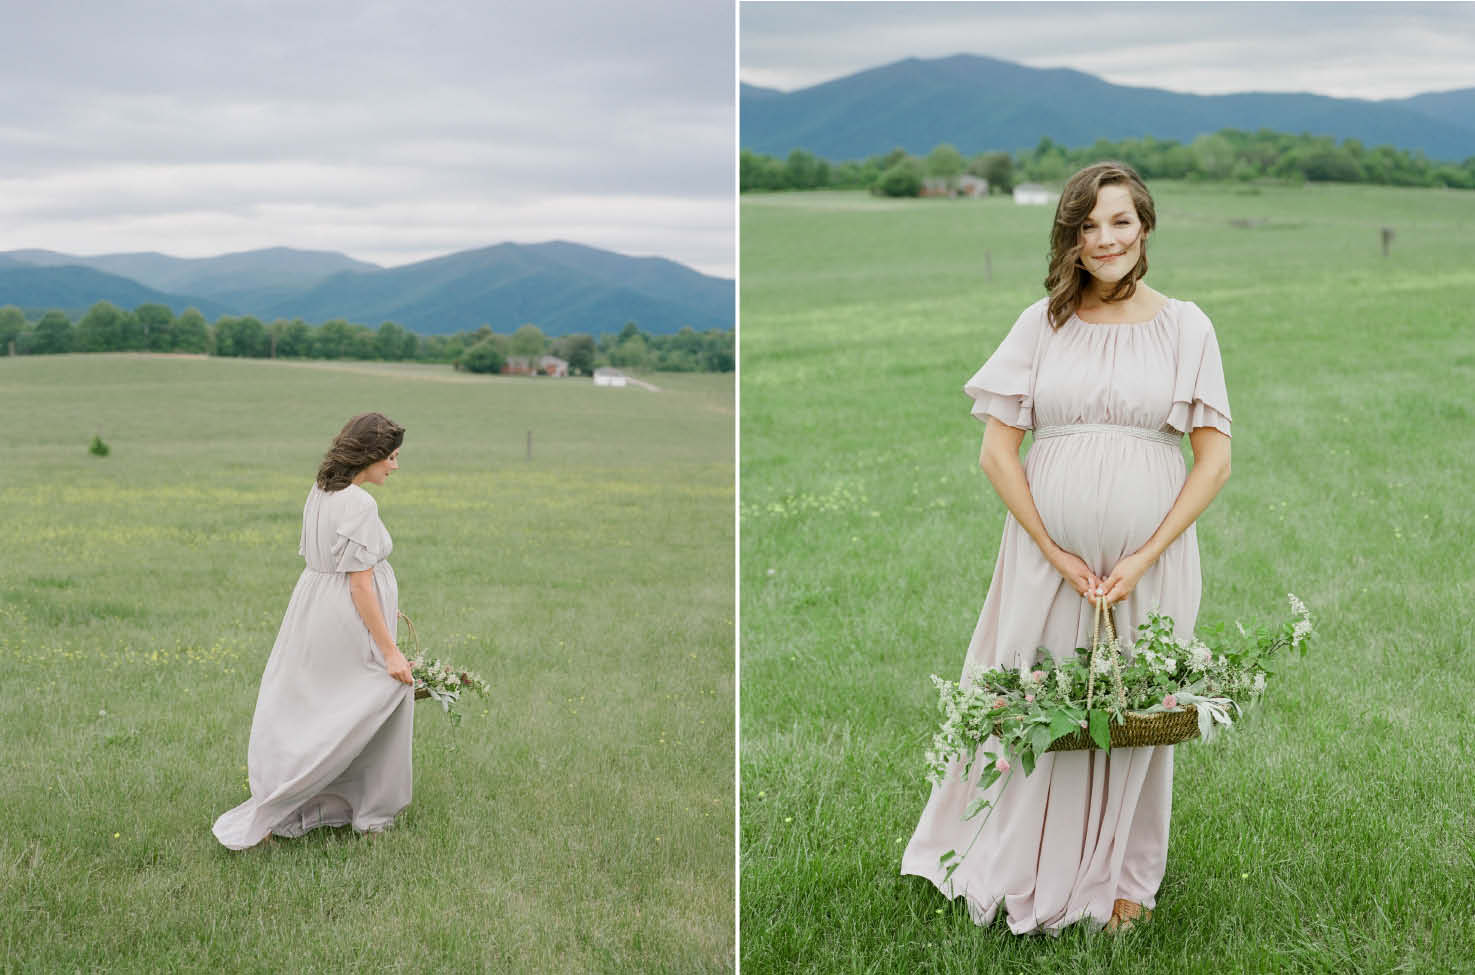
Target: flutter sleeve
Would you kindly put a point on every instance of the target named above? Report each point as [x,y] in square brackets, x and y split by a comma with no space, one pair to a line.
[361,541]
[1200,398]
[1003,388]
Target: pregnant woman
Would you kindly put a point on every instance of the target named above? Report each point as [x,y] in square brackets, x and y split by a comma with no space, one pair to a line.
[330,741]
[1109,374]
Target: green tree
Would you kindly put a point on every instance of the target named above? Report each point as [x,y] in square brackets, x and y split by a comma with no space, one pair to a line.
[389,342]
[157,322]
[100,329]
[805,171]
[528,342]
[191,333]
[1213,155]
[12,323]
[579,351]
[717,351]
[131,335]
[484,357]
[332,340]
[945,163]
[997,168]
[361,344]
[903,179]
[633,353]
[53,334]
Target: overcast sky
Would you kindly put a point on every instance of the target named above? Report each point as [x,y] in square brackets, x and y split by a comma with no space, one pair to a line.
[1349,50]
[390,130]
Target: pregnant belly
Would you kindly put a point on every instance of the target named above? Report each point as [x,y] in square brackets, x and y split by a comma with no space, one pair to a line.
[1101,496]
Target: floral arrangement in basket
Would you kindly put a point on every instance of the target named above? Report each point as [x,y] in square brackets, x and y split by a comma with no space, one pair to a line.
[1171,691]
[441,681]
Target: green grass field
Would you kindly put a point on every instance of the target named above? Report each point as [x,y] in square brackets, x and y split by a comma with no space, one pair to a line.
[580,819]
[1332,831]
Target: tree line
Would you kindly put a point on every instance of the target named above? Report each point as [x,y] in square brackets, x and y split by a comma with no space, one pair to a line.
[1230,154]
[155,328]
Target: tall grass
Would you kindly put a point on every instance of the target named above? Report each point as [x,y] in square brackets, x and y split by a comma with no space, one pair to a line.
[1331,832]
[580,819]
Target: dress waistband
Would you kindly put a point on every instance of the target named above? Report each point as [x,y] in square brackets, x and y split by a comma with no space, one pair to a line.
[1142,433]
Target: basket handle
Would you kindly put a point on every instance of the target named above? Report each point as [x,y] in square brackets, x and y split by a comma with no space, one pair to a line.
[1111,648]
[413,636]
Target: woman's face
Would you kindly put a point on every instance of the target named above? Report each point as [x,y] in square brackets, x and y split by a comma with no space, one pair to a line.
[1111,237]
[379,471]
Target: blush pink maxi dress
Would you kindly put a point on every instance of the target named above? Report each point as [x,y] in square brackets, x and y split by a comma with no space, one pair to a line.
[331,738]
[1108,405]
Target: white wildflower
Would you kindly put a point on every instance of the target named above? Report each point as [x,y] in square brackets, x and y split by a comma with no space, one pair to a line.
[1199,657]
[1170,665]
[1259,684]
[1302,628]
[1102,664]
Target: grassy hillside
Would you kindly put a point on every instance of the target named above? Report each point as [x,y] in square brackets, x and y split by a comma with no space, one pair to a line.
[1331,831]
[580,819]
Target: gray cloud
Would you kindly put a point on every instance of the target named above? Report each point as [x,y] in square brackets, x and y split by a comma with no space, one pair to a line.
[1358,50]
[390,130]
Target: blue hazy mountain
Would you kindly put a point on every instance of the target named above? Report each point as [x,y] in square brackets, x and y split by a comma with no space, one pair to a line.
[73,289]
[561,287]
[979,103]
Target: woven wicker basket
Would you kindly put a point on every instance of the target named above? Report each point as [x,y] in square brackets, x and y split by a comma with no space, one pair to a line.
[420,693]
[1137,730]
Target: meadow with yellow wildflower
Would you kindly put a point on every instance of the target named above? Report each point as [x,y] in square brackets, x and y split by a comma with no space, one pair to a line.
[579,819]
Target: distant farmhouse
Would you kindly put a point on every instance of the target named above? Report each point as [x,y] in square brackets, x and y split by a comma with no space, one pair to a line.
[521,365]
[1032,194]
[967,185]
[605,376]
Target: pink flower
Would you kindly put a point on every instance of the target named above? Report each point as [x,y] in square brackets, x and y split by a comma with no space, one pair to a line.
[999,702]
[1030,698]
[1170,702]
[1038,676]
[1084,724]
[1002,765]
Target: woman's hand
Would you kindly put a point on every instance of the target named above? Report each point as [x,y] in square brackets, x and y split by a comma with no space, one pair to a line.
[398,666]
[1073,569]
[1124,577]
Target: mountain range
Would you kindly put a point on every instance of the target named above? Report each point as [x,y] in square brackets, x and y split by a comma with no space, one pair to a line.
[979,103]
[559,286]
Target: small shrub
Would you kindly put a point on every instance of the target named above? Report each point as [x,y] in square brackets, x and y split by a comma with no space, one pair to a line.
[98,447]
[484,356]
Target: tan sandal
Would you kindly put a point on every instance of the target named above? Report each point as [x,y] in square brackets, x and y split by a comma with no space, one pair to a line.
[1125,915]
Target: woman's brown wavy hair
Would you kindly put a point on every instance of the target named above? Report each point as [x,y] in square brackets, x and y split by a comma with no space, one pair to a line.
[365,439]
[1068,277]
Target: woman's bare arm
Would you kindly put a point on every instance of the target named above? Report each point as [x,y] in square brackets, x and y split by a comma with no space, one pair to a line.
[1210,472]
[366,601]
[999,459]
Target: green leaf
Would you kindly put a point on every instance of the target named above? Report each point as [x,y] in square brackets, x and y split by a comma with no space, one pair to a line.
[1062,724]
[949,855]
[1027,760]
[978,805]
[1100,728]
[1040,738]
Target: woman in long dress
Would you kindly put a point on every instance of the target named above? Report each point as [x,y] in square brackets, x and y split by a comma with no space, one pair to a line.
[1109,374]
[330,740]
